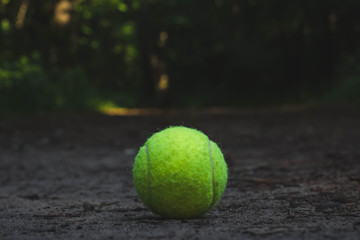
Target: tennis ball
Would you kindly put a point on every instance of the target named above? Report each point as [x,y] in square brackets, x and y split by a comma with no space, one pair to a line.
[180,173]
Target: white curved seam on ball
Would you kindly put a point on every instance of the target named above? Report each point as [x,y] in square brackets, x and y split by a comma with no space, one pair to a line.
[149,179]
[212,174]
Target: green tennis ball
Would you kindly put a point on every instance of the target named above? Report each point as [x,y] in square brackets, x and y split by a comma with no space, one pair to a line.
[180,173]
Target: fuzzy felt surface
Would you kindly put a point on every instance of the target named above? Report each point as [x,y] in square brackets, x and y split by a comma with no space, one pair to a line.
[180,173]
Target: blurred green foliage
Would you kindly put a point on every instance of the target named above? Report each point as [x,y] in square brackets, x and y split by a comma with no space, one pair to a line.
[348,89]
[76,55]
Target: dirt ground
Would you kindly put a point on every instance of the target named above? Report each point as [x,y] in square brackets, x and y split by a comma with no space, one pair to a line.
[294,174]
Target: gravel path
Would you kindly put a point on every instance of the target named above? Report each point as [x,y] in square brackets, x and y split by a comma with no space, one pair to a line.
[294,174]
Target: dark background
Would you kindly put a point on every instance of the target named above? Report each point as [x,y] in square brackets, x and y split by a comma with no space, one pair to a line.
[76,55]
[276,84]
